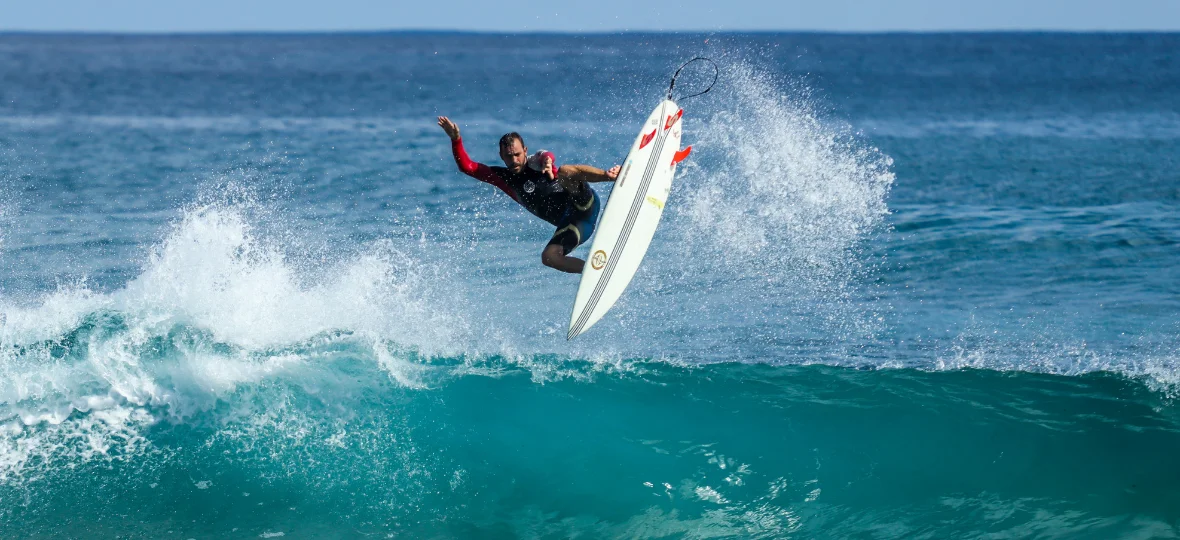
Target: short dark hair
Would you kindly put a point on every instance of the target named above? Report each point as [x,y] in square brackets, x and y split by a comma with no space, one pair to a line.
[507,139]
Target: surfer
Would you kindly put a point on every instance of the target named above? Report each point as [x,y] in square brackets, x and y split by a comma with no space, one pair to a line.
[559,195]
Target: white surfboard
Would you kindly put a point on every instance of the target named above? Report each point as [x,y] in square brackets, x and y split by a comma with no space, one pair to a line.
[631,216]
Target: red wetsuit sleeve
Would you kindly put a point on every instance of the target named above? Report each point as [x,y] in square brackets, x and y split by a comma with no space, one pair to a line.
[551,156]
[477,170]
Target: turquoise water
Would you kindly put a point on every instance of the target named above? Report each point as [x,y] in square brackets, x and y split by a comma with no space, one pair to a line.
[906,285]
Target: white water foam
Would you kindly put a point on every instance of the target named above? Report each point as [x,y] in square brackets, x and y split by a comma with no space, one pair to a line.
[214,273]
[1157,366]
[216,309]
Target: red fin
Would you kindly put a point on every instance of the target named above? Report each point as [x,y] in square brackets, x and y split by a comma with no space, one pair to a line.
[680,155]
[646,139]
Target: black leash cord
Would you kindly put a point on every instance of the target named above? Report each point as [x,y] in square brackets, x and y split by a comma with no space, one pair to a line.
[716,73]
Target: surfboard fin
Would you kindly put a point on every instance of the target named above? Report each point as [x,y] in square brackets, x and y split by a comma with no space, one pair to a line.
[681,154]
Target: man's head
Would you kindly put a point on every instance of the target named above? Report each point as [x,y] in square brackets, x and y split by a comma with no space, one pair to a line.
[513,151]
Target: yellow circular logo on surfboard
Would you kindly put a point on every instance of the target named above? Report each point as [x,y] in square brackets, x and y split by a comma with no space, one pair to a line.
[598,260]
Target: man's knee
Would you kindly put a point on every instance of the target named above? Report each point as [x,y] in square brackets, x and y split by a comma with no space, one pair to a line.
[552,255]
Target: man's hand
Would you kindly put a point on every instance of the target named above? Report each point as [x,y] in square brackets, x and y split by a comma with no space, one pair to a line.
[613,173]
[449,127]
[548,172]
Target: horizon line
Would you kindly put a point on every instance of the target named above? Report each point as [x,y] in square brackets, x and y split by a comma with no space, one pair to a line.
[425,31]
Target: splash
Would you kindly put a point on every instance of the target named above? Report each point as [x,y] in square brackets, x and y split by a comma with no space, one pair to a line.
[780,185]
[779,203]
[218,310]
[214,273]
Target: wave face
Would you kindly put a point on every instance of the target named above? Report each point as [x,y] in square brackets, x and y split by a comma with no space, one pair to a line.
[341,433]
[905,286]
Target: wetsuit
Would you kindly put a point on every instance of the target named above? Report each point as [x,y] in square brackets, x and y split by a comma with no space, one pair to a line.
[574,214]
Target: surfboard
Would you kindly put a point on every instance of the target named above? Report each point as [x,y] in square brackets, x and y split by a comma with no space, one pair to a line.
[631,216]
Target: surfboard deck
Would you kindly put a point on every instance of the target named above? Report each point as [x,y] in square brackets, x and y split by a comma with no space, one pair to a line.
[631,216]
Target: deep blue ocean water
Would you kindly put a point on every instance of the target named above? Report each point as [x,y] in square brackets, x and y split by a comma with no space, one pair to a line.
[922,286]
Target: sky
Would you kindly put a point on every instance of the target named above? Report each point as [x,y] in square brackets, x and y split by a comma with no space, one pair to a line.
[586,15]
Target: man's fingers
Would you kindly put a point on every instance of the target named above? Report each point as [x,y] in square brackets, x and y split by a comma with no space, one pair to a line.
[449,127]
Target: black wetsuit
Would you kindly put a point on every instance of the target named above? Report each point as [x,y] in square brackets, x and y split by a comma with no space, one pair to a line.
[574,214]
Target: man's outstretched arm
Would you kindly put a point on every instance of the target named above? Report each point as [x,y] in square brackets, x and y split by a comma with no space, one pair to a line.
[471,168]
[573,175]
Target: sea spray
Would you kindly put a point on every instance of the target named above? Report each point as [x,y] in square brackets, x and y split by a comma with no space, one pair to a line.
[781,185]
[776,206]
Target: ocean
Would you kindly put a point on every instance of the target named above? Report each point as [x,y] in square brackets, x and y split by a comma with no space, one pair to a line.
[906,285]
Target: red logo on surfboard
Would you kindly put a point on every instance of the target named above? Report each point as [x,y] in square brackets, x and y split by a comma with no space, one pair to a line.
[672,119]
[647,139]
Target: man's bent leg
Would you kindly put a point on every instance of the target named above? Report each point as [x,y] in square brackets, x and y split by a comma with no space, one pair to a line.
[569,235]
[554,257]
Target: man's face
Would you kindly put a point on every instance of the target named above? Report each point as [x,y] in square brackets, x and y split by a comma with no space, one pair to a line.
[514,156]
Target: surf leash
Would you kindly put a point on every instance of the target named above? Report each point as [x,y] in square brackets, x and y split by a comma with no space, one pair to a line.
[672,86]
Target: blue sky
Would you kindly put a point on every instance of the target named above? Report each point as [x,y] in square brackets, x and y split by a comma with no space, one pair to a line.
[587,15]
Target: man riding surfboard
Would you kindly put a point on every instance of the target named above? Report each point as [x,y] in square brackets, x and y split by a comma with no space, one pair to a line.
[558,195]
